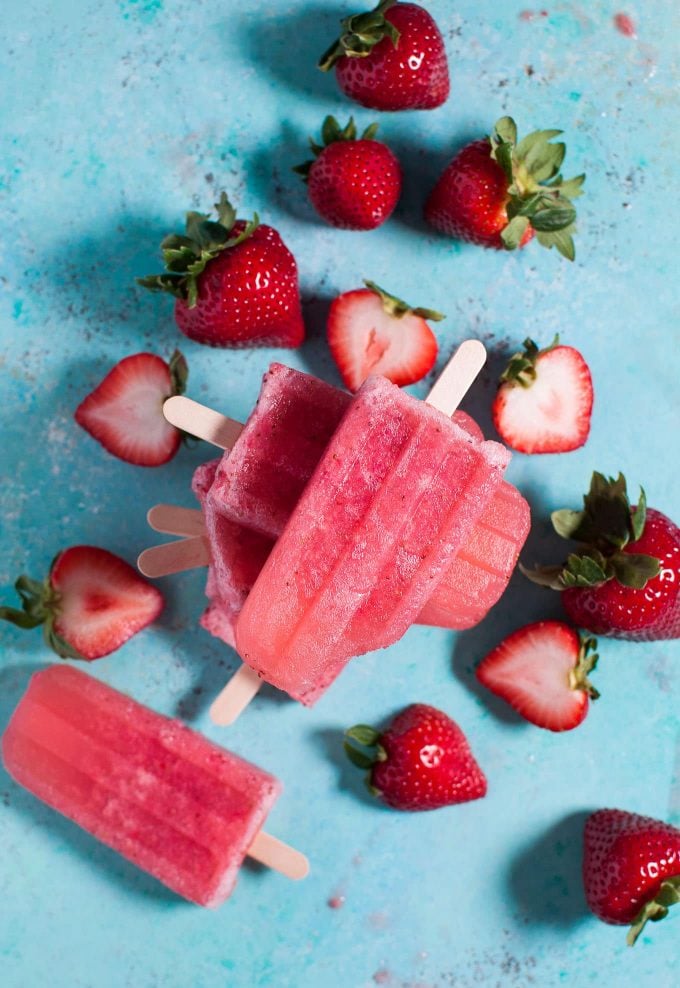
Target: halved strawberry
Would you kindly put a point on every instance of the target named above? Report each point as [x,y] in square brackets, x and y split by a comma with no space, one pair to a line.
[542,670]
[125,412]
[372,332]
[545,400]
[89,605]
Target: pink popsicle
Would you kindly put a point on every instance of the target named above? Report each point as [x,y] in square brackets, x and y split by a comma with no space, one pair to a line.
[238,554]
[393,498]
[177,806]
[259,483]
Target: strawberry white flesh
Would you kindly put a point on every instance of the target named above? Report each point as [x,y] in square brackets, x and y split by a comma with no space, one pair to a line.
[552,414]
[102,602]
[531,670]
[366,339]
[125,412]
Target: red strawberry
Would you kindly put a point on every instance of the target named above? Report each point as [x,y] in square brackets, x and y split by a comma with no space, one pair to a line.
[353,183]
[545,400]
[391,58]
[90,604]
[631,868]
[125,412]
[236,283]
[622,579]
[372,332]
[421,762]
[498,192]
[542,670]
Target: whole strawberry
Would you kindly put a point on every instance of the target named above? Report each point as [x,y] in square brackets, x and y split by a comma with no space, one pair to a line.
[353,183]
[544,400]
[499,192]
[421,762]
[623,577]
[631,868]
[125,411]
[373,332]
[391,58]
[235,282]
[89,605]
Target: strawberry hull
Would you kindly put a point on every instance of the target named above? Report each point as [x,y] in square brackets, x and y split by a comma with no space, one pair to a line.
[247,296]
[413,75]
[649,614]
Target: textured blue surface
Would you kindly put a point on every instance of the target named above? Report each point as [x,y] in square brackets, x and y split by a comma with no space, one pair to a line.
[116,117]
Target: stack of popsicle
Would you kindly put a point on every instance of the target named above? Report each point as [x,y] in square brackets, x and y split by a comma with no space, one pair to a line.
[386,512]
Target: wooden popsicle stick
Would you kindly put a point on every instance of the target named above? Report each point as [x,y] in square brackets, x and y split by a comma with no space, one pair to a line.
[273,853]
[173,520]
[454,381]
[231,701]
[174,557]
[197,420]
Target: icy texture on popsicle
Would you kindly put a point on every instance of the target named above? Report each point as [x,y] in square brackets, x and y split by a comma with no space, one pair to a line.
[161,795]
[238,554]
[260,481]
[479,574]
[290,426]
[394,496]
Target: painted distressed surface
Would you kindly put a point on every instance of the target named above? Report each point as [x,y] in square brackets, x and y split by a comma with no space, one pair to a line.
[117,116]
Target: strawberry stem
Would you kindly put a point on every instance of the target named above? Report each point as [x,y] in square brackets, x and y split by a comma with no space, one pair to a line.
[657,909]
[360,34]
[187,255]
[605,526]
[537,194]
[398,308]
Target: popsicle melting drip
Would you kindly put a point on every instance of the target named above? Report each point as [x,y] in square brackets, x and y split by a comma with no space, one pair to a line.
[172,803]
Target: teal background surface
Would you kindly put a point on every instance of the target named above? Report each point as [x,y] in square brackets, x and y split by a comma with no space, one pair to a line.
[116,117]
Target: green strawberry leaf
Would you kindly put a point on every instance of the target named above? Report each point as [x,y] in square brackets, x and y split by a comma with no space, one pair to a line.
[561,239]
[639,516]
[512,234]
[506,128]
[397,307]
[358,758]
[634,569]
[360,34]
[186,256]
[567,522]
[363,734]
[550,219]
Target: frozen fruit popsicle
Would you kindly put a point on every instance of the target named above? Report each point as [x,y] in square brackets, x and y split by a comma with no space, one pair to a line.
[283,429]
[237,552]
[177,806]
[259,482]
[395,495]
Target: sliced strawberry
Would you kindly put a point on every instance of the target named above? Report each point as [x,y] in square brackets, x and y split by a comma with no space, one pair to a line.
[545,400]
[125,412]
[541,670]
[372,332]
[90,604]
